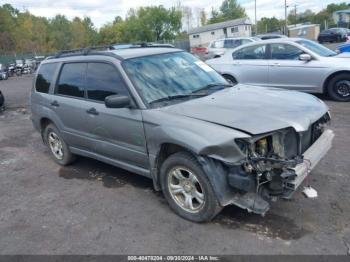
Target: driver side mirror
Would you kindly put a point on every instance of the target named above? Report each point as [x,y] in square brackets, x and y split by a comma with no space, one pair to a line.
[117,101]
[305,57]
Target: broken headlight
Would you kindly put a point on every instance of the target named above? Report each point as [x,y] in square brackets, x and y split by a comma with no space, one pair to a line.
[278,145]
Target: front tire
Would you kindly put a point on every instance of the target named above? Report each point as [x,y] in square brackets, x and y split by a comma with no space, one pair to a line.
[230,79]
[59,149]
[339,88]
[187,188]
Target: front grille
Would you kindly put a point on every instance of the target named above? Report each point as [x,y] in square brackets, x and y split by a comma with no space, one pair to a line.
[308,137]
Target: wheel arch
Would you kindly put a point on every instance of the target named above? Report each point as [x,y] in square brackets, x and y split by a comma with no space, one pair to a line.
[44,122]
[165,150]
[230,75]
[328,79]
[215,170]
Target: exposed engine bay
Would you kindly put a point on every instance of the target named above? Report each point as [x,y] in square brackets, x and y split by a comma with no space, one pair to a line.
[269,170]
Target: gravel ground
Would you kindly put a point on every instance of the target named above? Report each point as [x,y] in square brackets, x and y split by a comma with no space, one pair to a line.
[94,208]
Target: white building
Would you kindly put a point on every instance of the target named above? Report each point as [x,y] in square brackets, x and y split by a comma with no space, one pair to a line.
[202,36]
[342,18]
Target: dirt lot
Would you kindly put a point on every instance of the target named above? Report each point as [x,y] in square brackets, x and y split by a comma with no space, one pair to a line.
[94,208]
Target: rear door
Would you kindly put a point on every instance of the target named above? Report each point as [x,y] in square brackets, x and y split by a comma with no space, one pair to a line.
[287,71]
[250,66]
[69,104]
[116,133]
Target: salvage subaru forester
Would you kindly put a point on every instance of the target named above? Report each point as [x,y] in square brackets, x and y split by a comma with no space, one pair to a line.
[164,114]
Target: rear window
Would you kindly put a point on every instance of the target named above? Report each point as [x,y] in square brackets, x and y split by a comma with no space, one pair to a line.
[44,78]
[72,80]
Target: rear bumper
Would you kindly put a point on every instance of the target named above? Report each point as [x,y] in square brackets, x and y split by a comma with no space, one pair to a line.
[311,158]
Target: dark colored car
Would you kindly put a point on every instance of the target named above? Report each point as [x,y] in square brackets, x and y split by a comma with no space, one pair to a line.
[2,101]
[3,72]
[270,36]
[333,35]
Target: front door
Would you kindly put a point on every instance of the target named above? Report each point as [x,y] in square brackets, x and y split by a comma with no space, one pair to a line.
[287,71]
[117,132]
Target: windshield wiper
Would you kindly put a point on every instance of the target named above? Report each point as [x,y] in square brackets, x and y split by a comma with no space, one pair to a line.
[174,97]
[209,86]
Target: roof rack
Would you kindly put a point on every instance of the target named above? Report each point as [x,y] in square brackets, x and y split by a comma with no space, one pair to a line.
[141,45]
[89,50]
[82,51]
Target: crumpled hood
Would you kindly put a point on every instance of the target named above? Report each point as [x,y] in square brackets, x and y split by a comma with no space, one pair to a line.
[254,110]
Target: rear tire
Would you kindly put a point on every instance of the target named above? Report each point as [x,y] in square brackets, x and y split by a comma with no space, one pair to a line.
[59,149]
[187,188]
[339,88]
[230,79]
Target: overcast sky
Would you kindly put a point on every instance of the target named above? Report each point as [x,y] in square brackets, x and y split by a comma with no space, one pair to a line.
[102,11]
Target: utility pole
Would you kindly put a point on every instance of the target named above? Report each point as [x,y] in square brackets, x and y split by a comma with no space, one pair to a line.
[256,23]
[295,14]
[285,17]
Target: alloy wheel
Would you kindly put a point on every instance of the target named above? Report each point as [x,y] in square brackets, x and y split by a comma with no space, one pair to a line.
[186,190]
[343,88]
[55,145]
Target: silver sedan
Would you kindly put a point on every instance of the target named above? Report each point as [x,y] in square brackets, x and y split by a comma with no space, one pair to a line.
[290,63]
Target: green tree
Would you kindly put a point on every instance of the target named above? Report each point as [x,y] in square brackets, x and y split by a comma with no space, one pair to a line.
[229,10]
[143,24]
[60,33]
[268,25]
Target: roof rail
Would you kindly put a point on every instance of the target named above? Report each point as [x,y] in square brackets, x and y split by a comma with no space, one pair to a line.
[82,51]
[89,50]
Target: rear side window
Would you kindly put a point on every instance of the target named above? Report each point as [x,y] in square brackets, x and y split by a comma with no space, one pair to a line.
[44,78]
[251,52]
[103,80]
[72,79]
[232,43]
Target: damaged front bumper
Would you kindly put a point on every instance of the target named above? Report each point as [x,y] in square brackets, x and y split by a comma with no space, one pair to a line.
[311,158]
[257,201]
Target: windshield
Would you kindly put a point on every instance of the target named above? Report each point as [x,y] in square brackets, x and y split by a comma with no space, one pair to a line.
[168,75]
[316,48]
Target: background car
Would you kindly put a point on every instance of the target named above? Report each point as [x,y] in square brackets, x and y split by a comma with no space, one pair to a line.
[2,101]
[270,36]
[290,63]
[3,72]
[218,47]
[333,35]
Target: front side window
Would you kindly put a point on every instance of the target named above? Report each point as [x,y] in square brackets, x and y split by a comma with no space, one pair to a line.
[164,75]
[285,52]
[251,52]
[72,79]
[103,80]
[44,78]
[316,48]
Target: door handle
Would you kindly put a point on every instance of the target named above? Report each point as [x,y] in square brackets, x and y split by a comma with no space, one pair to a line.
[55,104]
[92,111]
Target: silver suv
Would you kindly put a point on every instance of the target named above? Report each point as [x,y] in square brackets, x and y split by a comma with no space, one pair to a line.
[164,114]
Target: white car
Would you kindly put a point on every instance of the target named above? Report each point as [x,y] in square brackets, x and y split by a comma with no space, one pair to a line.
[290,63]
[218,47]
